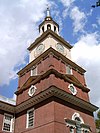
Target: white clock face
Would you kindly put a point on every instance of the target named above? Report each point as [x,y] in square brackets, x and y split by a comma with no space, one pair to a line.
[40,49]
[60,47]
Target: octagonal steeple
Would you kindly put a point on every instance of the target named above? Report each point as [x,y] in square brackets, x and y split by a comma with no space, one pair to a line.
[48,24]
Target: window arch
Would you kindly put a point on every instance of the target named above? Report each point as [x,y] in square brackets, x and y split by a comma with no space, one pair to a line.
[43,29]
[48,27]
[77,117]
[77,125]
[55,29]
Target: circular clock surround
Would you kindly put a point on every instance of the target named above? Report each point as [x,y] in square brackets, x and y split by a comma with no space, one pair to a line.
[72,89]
[32,90]
[60,47]
[40,49]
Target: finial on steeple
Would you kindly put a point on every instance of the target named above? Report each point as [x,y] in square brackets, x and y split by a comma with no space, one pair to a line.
[48,11]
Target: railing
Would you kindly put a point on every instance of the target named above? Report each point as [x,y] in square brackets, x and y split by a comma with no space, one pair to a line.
[7,100]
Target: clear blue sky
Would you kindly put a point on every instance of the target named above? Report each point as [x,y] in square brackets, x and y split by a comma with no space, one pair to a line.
[79,25]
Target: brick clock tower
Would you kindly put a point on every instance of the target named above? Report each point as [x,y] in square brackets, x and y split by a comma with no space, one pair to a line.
[52,95]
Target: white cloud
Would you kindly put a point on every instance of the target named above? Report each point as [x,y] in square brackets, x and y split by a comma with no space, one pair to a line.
[94,26]
[98,20]
[18,27]
[79,19]
[86,52]
[90,12]
[67,3]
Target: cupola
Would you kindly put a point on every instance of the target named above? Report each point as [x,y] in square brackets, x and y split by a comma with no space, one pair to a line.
[48,24]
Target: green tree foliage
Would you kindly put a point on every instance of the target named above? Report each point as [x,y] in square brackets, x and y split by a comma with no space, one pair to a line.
[98,115]
[97,121]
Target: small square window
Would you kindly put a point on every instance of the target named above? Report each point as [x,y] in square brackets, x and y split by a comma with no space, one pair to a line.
[34,71]
[68,69]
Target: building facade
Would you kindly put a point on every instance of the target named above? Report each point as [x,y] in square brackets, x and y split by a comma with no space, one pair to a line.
[52,96]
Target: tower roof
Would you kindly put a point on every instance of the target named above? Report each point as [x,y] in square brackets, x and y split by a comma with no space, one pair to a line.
[48,21]
[48,12]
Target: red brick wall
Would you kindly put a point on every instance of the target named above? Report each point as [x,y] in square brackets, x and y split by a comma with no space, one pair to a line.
[48,63]
[44,118]
[20,123]
[23,79]
[49,128]
[47,82]
[80,77]
[50,118]
[61,128]
[51,62]
[1,121]
[62,112]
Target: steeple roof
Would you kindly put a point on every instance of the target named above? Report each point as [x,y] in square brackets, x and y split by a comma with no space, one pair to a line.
[48,23]
[48,12]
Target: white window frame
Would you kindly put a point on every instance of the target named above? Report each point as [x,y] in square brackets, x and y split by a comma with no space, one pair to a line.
[8,122]
[27,121]
[68,67]
[77,124]
[77,115]
[34,69]
[71,130]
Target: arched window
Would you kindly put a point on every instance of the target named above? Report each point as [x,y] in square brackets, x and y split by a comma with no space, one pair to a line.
[43,29]
[78,128]
[76,117]
[48,26]
[76,124]
[55,29]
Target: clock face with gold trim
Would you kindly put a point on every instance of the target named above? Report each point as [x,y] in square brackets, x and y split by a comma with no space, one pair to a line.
[60,47]
[40,49]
